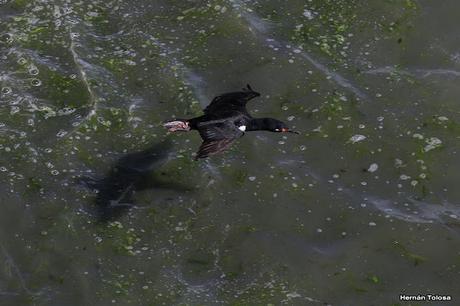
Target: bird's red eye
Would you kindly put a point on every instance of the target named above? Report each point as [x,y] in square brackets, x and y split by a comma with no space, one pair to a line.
[284,130]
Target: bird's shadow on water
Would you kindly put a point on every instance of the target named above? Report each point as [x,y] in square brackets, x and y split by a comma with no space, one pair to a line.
[131,173]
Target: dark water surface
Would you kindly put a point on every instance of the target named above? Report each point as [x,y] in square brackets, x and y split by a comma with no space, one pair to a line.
[100,206]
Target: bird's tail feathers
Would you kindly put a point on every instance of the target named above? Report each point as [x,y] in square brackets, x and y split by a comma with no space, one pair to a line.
[250,92]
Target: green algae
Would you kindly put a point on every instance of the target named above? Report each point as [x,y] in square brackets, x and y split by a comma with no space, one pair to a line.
[402,20]
[34,184]
[118,238]
[115,65]
[239,177]
[333,24]
[412,257]
[242,283]
[373,279]
[64,90]
[100,19]
[269,290]
[86,157]
[19,4]
[328,30]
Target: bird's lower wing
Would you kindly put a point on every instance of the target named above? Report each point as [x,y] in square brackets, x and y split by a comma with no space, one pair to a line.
[211,147]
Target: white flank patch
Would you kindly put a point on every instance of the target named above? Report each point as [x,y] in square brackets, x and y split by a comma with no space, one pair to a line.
[242,128]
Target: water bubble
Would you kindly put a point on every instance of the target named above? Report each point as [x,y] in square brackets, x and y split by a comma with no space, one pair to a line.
[399,163]
[33,70]
[14,110]
[8,38]
[443,118]
[308,14]
[357,138]
[432,143]
[54,172]
[16,102]
[72,21]
[6,90]
[373,167]
[404,177]
[93,14]
[56,14]
[35,82]
[66,111]
[22,61]
[61,133]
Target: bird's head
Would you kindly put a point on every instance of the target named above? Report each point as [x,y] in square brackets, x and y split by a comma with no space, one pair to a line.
[277,126]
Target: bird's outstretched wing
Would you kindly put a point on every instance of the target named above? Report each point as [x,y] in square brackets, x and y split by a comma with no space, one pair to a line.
[211,147]
[231,101]
[217,137]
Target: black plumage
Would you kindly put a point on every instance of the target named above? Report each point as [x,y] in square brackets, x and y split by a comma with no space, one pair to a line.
[226,119]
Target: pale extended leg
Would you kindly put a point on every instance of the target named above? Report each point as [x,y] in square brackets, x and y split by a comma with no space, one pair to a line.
[177,125]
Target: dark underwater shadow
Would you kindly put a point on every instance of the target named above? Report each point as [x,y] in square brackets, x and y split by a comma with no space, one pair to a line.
[133,172]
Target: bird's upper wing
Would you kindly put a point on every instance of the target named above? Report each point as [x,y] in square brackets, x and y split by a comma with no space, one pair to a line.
[231,101]
[217,137]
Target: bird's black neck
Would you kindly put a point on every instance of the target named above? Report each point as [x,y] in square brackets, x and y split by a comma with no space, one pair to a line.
[194,122]
[257,124]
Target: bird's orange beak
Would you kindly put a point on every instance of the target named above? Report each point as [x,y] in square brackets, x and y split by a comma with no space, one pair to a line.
[289,131]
